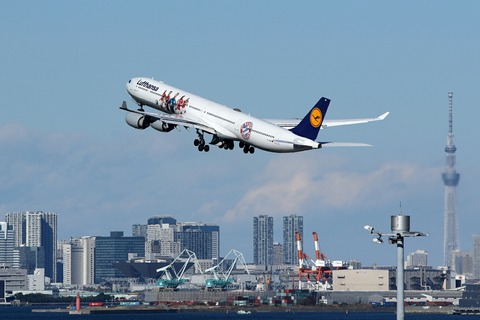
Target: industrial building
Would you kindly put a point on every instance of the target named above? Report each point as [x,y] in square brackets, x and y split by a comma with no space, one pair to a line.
[361,280]
[14,279]
[471,296]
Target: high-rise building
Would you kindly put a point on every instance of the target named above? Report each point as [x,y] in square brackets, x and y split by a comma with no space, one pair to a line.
[37,229]
[263,240]
[8,254]
[115,248]
[291,224]
[464,263]
[17,221]
[160,240]
[476,256]
[201,238]
[78,261]
[139,230]
[450,179]
[417,259]
[31,258]
[277,254]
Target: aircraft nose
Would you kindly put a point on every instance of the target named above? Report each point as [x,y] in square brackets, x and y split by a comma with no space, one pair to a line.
[128,85]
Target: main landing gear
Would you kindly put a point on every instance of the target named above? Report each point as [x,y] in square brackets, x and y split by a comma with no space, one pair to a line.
[227,145]
[200,142]
[246,148]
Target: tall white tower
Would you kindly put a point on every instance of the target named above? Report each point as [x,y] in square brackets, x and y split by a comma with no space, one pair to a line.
[450,178]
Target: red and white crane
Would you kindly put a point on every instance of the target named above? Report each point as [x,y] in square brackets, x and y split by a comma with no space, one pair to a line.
[321,260]
[307,268]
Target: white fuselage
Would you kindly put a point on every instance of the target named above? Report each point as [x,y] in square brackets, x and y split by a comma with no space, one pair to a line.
[226,122]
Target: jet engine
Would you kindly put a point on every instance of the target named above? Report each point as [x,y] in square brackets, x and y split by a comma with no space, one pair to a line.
[137,121]
[162,126]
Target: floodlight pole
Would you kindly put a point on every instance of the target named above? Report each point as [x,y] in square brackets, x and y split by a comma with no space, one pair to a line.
[400,226]
[398,239]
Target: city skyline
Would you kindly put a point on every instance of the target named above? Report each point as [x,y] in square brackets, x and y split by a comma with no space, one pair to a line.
[84,257]
[66,147]
[221,250]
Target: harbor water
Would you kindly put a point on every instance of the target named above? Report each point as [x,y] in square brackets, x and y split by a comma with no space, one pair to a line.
[19,313]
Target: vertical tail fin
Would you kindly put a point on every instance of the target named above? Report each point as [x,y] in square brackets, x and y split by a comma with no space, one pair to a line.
[310,125]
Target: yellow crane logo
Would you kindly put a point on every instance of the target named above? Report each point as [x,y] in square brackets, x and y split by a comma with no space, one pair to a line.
[316,117]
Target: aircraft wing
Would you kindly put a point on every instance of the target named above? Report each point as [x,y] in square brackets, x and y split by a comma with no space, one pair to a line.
[175,119]
[291,123]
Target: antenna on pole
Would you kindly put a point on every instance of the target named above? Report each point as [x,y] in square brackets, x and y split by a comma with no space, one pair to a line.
[450,113]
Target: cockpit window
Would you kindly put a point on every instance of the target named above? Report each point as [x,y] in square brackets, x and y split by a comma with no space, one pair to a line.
[129,80]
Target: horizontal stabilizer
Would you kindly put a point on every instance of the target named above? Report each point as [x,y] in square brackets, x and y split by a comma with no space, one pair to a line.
[344,144]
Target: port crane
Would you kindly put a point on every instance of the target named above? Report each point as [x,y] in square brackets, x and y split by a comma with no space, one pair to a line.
[319,269]
[171,278]
[221,278]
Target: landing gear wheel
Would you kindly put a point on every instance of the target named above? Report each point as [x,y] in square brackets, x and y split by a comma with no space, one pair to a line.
[251,150]
[245,149]
[200,142]
[241,144]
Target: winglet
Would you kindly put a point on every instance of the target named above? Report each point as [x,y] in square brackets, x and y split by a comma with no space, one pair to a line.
[311,123]
[344,144]
[383,116]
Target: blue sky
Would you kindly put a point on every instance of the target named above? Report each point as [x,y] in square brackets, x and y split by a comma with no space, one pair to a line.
[66,147]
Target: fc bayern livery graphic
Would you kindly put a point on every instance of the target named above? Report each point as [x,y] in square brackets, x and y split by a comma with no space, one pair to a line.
[226,126]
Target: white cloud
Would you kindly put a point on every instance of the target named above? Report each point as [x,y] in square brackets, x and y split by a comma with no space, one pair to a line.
[298,189]
[12,133]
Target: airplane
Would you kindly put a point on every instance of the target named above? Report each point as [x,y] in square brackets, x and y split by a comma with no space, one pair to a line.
[179,108]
